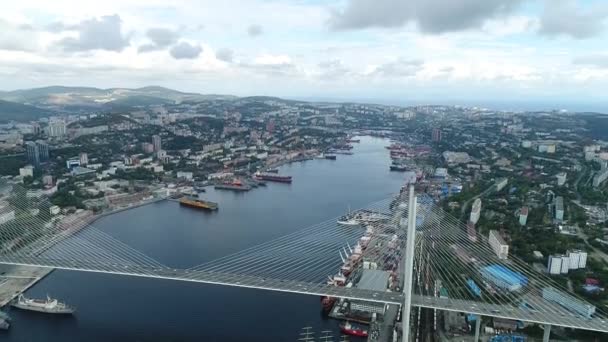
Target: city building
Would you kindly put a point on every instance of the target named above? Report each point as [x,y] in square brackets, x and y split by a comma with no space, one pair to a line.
[373,280]
[501,183]
[47,180]
[559,208]
[56,129]
[26,171]
[147,147]
[456,157]
[561,178]
[500,247]
[475,211]
[526,144]
[436,135]
[43,150]
[6,214]
[568,302]
[599,178]
[523,216]
[36,152]
[578,259]
[157,143]
[84,159]
[503,277]
[184,175]
[72,163]
[31,150]
[565,264]
[471,232]
[554,265]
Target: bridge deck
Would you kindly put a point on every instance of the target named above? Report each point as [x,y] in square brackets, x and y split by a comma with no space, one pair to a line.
[558,316]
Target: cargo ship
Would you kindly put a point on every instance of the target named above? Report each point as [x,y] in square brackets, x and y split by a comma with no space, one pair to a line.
[349,329]
[198,204]
[235,186]
[49,305]
[273,178]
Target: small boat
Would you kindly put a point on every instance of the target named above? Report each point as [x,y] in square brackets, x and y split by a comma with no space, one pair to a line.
[273,170]
[349,219]
[349,329]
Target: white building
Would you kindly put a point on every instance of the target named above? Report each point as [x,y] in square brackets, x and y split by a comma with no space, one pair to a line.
[565,264]
[184,175]
[574,258]
[56,129]
[501,183]
[26,171]
[554,266]
[600,178]
[475,211]
[500,247]
[523,216]
[559,208]
[6,215]
[526,144]
[561,178]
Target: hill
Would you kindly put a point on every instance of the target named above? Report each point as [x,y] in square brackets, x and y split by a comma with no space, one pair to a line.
[88,98]
[12,111]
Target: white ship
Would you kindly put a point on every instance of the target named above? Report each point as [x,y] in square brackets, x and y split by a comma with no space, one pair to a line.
[49,305]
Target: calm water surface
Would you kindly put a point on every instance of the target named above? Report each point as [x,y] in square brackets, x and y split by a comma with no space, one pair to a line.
[120,308]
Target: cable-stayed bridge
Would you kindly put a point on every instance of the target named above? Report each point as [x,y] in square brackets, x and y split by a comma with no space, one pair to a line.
[442,255]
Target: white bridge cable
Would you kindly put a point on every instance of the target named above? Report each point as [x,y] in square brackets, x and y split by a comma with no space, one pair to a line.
[482,253]
[89,242]
[327,236]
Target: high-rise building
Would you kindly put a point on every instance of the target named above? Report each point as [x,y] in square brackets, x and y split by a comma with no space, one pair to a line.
[500,247]
[33,155]
[84,158]
[157,143]
[56,129]
[43,150]
[559,208]
[436,135]
[475,211]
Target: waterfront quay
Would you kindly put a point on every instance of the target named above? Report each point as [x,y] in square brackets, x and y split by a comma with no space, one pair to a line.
[14,280]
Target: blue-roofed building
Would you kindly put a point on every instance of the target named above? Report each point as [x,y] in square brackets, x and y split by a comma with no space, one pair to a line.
[473,287]
[504,278]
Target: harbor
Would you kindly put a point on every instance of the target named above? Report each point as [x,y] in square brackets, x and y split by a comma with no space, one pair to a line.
[182,237]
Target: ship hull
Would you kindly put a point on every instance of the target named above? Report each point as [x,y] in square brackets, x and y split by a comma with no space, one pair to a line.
[63,311]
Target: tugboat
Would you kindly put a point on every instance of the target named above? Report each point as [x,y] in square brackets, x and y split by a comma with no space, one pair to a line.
[49,305]
[349,329]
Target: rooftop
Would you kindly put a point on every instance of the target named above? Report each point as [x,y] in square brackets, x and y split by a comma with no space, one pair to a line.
[375,280]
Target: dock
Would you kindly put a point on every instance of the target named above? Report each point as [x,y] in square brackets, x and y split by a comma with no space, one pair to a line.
[15,280]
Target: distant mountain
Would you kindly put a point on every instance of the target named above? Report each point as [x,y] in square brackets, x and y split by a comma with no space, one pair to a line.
[12,111]
[88,98]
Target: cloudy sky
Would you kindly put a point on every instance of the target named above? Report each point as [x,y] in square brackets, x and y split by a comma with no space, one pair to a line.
[433,51]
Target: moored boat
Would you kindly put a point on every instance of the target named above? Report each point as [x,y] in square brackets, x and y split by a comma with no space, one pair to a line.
[350,329]
[49,305]
[198,204]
